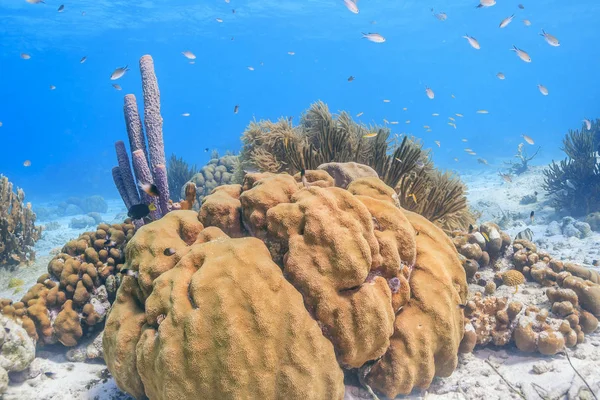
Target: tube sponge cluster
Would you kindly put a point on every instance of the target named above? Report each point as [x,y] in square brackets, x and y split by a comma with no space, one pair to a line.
[148,166]
[18,232]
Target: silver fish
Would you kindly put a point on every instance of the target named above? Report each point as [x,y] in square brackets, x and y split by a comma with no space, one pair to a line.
[527,234]
[504,23]
[552,41]
[118,73]
[570,184]
[374,37]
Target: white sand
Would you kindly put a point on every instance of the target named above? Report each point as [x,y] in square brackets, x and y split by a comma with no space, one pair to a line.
[474,378]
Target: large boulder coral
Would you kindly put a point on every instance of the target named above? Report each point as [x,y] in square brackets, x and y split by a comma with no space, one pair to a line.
[328,278]
[218,171]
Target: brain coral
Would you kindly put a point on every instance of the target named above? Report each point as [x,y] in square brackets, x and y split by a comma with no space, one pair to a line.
[329,277]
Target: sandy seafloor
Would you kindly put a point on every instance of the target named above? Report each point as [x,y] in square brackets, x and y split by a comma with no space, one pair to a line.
[536,376]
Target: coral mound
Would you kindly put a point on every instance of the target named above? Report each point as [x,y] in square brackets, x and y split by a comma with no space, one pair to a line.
[222,321]
[318,278]
[72,299]
[18,232]
[218,171]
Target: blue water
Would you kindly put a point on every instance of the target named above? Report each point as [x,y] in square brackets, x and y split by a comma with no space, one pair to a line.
[69,133]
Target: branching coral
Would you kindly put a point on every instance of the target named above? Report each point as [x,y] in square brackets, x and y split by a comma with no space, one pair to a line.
[522,164]
[178,173]
[18,232]
[574,182]
[322,137]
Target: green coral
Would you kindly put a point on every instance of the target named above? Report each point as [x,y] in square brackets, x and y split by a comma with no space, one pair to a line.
[574,183]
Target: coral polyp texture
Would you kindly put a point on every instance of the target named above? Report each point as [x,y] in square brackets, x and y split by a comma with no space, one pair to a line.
[72,299]
[277,286]
[149,166]
[18,232]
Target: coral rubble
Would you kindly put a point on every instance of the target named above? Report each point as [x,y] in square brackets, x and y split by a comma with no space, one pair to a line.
[277,285]
[18,232]
[149,166]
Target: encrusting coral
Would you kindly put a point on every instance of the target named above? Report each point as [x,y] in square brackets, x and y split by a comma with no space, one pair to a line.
[72,299]
[18,232]
[277,283]
[322,137]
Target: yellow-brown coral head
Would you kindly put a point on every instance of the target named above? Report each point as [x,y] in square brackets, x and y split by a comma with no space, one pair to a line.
[513,278]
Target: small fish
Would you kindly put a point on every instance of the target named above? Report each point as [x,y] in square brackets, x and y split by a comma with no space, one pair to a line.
[7,330]
[160,319]
[451,119]
[596,263]
[412,195]
[507,177]
[521,6]
[472,153]
[528,139]
[588,124]
[386,101]
[397,159]
[185,114]
[118,73]
[482,161]
[420,164]
[459,115]
[471,228]
[526,234]
[169,251]
[464,140]
[36,1]
[543,89]
[138,211]
[473,42]
[351,6]
[430,93]
[532,217]
[370,135]
[303,178]
[570,184]
[468,150]
[374,37]
[552,41]
[250,68]
[393,122]
[441,16]
[428,130]
[455,159]
[482,112]
[233,10]
[52,87]
[25,56]
[407,121]
[386,121]
[117,86]
[404,109]
[486,3]
[129,272]
[51,375]
[500,76]
[359,114]
[192,62]
[350,78]
[291,53]
[452,124]
[438,143]
[109,243]
[61,8]
[82,59]
[426,126]
[236,109]
[453,96]
[206,150]
[487,238]
[149,188]
[435,115]
[27,163]
[504,23]
[527,22]
[189,55]
[219,20]
[522,54]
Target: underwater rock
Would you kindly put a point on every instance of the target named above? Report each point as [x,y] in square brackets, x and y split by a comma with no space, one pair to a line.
[87,351]
[95,204]
[528,199]
[553,229]
[593,220]
[3,380]
[17,349]
[82,222]
[97,217]
[574,228]
[583,227]
[72,209]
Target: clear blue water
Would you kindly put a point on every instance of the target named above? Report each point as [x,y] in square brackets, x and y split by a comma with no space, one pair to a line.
[69,133]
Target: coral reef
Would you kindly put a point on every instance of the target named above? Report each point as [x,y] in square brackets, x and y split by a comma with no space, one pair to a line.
[323,138]
[18,232]
[218,171]
[370,286]
[72,299]
[574,182]
[178,172]
[149,166]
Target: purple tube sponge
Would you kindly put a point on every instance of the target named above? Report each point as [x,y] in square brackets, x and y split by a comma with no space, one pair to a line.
[116,173]
[133,123]
[142,172]
[152,119]
[161,182]
[126,175]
